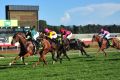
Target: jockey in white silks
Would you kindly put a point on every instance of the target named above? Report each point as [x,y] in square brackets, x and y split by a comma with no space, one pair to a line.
[105,34]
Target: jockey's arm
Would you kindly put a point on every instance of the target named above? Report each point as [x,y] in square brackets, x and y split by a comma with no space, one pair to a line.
[104,35]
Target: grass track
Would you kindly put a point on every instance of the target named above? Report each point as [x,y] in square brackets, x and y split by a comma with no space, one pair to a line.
[79,68]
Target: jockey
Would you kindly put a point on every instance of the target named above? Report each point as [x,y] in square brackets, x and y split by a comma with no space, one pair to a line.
[65,33]
[105,35]
[50,34]
[32,34]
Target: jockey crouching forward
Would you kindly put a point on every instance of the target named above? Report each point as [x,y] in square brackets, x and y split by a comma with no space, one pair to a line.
[105,35]
[65,33]
[51,34]
[33,34]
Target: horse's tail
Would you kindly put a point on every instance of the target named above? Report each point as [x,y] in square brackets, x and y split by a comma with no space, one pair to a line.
[84,45]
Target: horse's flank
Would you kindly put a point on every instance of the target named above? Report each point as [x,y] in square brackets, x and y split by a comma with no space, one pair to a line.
[116,43]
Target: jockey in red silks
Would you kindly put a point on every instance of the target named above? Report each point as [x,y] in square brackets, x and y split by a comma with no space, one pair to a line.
[105,34]
[65,33]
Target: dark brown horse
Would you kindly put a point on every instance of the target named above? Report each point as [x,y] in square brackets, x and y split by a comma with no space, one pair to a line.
[77,44]
[63,47]
[102,43]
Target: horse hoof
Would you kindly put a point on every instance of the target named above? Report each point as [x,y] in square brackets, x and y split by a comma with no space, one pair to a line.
[53,62]
[10,64]
[26,63]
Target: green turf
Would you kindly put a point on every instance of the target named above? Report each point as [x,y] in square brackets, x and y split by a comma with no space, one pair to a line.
[79,68]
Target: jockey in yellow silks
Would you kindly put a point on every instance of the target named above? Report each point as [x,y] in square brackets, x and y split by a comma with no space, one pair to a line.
[50,34]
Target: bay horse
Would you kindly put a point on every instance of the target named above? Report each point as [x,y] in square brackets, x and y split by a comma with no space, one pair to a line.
[77,44]
[102,43]
[27,48]
[63,47]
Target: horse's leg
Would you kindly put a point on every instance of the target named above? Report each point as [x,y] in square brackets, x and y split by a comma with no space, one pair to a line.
[98,52]
[104,52]
[39,52]
[60,56]
[65,54]
[15,59]
[26,55]
[83,51]
[42,57]
[53,56]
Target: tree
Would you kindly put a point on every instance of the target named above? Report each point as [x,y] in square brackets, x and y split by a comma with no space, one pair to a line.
[42,25]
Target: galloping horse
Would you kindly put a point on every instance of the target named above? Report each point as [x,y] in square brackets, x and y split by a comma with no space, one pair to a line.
[46,47]
[79,45]
[63,47]
[58,47]
[27,48]
[102,43]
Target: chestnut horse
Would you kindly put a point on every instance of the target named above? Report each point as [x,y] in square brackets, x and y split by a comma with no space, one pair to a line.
[27,48]
[58,47]
[102,43]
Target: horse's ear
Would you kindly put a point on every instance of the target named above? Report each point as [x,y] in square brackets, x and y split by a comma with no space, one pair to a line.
[94,36]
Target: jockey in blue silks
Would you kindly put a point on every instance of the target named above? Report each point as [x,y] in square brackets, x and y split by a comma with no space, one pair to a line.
[34,33]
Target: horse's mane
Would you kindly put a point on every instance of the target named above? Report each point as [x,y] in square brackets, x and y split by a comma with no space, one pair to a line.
[19,33]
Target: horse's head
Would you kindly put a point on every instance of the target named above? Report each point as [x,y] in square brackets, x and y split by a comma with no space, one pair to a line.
[95,38]
[17,37]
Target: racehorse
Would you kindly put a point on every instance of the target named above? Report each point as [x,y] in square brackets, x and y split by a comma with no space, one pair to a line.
[102,43]
[79,45]
[63,47]
[27,48]
[46,47]
[57,46]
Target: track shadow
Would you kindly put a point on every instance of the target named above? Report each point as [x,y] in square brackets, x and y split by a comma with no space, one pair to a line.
[5,66]
[81,57]
[91,60]
[116,59]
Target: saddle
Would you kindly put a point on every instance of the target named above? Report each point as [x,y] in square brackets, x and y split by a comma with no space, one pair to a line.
[37,45]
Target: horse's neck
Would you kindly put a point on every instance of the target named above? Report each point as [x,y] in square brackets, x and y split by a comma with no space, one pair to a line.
[98,38]
[22,41]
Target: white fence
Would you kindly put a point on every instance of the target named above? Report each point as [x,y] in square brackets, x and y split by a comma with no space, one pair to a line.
[88,37]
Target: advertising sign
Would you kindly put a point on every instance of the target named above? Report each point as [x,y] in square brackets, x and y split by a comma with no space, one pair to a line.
[8,23]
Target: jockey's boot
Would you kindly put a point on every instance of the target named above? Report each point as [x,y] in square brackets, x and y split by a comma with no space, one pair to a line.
[108,43]
[54,40]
